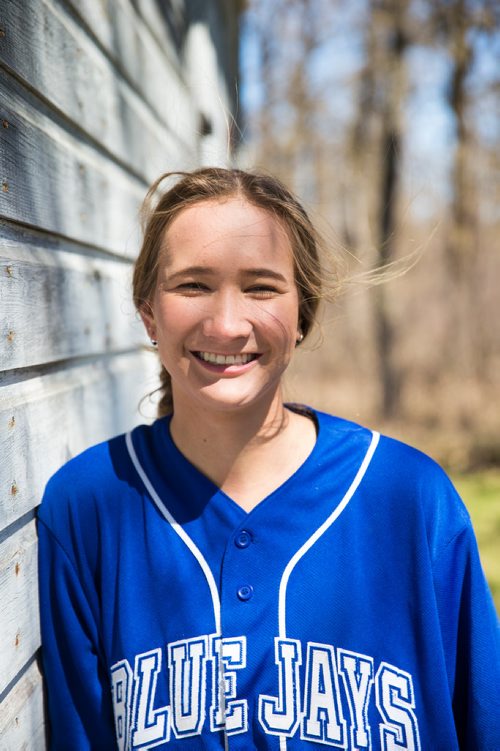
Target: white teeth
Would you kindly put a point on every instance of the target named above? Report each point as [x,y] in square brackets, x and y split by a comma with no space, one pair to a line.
[225,359]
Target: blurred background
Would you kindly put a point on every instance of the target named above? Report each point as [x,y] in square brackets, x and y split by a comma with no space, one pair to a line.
[384,117]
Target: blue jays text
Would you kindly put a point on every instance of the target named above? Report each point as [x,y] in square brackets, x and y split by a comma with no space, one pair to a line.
[312,709]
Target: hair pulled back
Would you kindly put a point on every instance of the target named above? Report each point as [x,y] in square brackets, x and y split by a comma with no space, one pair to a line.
[212,183]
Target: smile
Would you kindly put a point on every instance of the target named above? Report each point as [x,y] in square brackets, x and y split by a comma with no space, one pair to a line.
[217,359]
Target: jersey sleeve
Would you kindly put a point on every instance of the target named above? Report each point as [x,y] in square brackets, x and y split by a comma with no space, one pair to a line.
[78,691]
[471,641]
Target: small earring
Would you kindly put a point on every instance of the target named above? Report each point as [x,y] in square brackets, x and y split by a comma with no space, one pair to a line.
[154,342]
[300,337]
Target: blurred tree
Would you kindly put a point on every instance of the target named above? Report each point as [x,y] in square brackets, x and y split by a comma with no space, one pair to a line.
[384,116]
[284,126]
[377,136]
[456,25]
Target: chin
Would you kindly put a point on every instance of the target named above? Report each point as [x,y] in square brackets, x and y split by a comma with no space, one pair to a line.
[234,402]
[227,404]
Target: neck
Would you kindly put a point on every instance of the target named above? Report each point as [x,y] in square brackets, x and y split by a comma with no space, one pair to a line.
[223,436]
[247,453]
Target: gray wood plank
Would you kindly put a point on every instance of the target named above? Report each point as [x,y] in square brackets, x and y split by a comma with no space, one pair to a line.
[148,61]
[21,714]
[46,419]
[53,180]
[127,30]
[209,92]
[19,624]
[71,72]
[58,304]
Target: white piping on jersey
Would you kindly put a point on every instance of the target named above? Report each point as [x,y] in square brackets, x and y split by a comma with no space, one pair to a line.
[317,534]
[192,547]
[179,530]
[313,539]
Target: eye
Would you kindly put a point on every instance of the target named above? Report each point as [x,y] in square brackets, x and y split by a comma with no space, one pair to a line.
[191,288]
[262,290]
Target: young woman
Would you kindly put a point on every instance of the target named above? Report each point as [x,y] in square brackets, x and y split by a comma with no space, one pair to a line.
[243,573]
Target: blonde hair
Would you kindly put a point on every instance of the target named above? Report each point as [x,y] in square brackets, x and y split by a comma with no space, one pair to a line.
[209,183]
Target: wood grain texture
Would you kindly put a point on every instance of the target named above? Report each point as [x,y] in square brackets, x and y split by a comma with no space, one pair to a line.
[209,93]
[59,305]
[47,419]
[21,714]
[53,180]
[150,61]
[92,92]
[19,612]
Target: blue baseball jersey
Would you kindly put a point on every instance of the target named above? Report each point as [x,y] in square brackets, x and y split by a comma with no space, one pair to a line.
[348,609]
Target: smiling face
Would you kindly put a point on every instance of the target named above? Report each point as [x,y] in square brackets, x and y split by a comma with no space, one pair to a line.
[225,308]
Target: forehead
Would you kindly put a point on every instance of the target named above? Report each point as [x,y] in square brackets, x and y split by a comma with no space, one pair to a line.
[214,227]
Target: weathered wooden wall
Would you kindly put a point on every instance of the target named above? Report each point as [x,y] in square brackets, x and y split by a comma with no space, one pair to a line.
[96,99]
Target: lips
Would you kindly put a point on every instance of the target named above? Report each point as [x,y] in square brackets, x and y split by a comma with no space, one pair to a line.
[219,359]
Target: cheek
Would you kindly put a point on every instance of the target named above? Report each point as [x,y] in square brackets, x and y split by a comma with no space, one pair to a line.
[279,322]
[173,316]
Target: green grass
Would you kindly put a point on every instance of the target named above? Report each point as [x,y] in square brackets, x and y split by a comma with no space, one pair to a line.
[481,494]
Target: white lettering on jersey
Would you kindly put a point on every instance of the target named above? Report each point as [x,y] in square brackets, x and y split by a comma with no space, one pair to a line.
[280,715]
[121,689]
[150,727]
[234,655]
[323,719]
[395,702]
[357,674]
[208,664]
[187,672]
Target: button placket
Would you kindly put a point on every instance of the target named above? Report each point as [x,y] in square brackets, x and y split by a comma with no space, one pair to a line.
[242,540]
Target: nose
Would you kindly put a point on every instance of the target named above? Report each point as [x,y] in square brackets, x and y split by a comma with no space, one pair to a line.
[227,316]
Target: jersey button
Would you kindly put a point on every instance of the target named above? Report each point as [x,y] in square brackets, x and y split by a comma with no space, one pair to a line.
[243,539]
[245,592]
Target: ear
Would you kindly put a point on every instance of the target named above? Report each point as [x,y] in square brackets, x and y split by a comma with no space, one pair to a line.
[148,320]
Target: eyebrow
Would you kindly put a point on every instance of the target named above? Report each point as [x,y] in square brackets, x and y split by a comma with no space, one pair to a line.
[207,271]
[270,273]
[190,271]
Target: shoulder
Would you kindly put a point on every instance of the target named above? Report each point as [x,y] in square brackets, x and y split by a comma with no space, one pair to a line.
[90,468]
[89,483]
[407,484]
[396,462]
[421,488]
[393,462]
[404,466]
